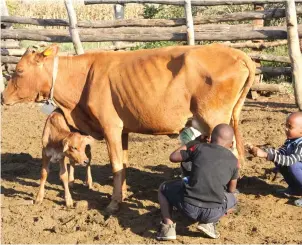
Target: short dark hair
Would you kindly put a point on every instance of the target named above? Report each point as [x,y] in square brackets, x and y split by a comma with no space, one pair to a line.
[222,134]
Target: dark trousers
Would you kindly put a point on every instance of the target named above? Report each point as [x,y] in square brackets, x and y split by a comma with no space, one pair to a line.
[173,190]
[292,175]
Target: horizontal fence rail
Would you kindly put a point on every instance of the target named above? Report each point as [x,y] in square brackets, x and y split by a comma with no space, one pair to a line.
[273,71]
[240,16]
[210,32]
[182,2]
[265,57]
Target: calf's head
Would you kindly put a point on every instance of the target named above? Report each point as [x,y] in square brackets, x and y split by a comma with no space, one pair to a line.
[32,78]
[75,147]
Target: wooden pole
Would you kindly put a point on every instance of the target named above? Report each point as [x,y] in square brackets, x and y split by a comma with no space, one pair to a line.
[294,50]
[119,11]
[4,12]
[257,23]
[189,22]
[249,44]
[119,14]
[73,27]
[219,32]
[267,87]
[12,52]
[267,14]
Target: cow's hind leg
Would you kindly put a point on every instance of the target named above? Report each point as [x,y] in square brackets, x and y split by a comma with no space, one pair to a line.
[44,174]
[113,138]
[125,162]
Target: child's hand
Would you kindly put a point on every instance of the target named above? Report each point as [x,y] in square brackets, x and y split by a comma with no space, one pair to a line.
[257,152]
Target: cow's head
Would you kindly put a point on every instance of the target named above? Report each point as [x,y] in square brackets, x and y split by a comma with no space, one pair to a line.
[32,78]
[75,146]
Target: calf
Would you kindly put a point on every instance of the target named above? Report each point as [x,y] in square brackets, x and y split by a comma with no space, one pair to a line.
[59,142]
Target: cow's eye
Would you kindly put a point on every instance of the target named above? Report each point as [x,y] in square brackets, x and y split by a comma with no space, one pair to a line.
[20,71]
[74,148]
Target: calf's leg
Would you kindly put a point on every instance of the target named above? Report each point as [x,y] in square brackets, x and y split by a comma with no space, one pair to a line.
[71,173]
[64,178]
[88,181]
[44,174]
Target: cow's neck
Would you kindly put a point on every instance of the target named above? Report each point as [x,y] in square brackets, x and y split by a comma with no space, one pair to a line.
[69,86]
[70,81]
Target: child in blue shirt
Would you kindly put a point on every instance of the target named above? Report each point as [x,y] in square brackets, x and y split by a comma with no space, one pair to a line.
[288,158]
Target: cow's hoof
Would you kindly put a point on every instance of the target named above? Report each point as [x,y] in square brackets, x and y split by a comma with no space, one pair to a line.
[113,207]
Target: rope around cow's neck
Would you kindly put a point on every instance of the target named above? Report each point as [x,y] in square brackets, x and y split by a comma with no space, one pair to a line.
[54,76]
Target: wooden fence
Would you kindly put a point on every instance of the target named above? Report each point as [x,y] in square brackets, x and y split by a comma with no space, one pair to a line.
[206,28]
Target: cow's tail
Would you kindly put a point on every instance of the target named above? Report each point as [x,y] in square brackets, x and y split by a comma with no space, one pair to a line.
[238,106]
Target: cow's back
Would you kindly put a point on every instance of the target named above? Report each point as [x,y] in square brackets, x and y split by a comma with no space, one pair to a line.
[154,90]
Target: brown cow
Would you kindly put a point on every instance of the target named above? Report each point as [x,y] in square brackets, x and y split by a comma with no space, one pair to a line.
[110,94]
[59,142]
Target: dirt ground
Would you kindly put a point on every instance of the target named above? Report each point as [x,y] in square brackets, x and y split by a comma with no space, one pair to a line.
[262,216]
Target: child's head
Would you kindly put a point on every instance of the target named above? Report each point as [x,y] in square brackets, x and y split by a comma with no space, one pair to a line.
[223,135]
[293,126]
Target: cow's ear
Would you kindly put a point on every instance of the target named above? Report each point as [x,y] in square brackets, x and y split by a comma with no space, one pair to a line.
[65,144]
[52,50]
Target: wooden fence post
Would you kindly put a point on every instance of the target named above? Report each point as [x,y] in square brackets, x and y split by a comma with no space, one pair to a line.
[294,50]
[119,14]
[4,12]
[189,20]
[73,28]
[257,23]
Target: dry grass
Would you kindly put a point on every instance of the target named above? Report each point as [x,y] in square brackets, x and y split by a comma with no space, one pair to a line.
[51,9]
[56,10]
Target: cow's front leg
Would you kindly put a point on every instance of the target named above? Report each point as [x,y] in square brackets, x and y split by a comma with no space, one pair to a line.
[64,178]
[125,163]
[114,144]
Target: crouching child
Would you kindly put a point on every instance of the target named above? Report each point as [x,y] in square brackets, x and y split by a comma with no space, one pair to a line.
[209,192]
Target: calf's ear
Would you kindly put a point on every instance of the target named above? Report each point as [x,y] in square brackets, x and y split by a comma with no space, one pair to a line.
[65,144]
[89,140]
